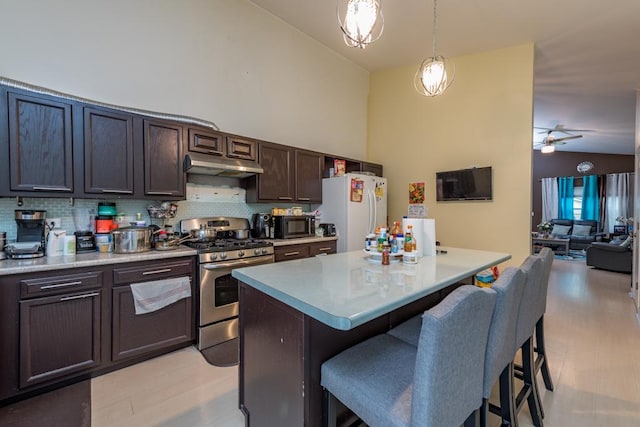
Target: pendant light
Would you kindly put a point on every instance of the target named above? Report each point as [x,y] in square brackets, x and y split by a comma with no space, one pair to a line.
[435,74]
[361,21]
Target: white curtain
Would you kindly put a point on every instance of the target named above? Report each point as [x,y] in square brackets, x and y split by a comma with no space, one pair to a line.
[549,199]
[619,198]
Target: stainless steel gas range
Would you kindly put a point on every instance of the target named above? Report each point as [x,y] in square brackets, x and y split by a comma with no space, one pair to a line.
[226,247]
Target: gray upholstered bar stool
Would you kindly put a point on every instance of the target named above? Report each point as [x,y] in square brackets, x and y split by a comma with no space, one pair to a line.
[541,362]
[501,348]
[387,382]
[527,319]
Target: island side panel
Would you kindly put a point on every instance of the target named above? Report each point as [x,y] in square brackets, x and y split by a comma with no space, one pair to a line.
[271,377]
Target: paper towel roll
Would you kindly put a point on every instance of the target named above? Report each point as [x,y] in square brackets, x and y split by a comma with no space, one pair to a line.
[429,237]
[418,231]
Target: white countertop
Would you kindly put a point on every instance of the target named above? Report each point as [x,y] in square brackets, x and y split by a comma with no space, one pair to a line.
[300,240]
[347,290]
[85,259]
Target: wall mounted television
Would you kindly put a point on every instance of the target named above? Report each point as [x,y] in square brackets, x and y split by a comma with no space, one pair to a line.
[464,184]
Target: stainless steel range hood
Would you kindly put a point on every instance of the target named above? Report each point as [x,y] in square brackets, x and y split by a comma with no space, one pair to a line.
[205,164]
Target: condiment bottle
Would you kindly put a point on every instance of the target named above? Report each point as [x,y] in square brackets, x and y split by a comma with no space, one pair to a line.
[410,255]
[396,230]
[385,254]
[382,237]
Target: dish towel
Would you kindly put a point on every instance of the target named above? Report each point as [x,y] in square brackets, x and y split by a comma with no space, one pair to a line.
[152,296]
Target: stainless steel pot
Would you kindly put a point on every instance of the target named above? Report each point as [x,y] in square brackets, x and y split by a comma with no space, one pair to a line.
[128,240]
[203,233]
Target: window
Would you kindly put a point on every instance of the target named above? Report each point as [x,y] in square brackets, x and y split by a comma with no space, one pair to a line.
[577,202]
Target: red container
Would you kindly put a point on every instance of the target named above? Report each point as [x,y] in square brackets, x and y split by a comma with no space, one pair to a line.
[105,224]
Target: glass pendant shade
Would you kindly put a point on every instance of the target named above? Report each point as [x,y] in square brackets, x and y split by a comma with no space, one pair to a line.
[361,21]
[434,76]
[546,149]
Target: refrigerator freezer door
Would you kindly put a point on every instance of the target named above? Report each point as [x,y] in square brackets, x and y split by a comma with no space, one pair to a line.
[353,219]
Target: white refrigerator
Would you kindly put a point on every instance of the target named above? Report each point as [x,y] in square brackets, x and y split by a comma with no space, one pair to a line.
[356,204]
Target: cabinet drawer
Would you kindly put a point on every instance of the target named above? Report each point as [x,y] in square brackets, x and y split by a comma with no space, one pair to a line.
[152,271]
[289,252]
[53,285]
[327,247]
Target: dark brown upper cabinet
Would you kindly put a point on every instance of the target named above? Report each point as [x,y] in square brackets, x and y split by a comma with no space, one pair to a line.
[241,148]
[208,142]
[40,144]
[164,176]
[108,152]
[308,176]
[276,183]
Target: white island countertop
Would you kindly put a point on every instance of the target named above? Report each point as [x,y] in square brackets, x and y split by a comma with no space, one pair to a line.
[347,290]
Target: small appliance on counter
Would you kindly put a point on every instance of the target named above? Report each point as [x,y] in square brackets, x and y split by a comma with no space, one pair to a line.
[83,221]
[3,242]
[328,230]
[293,226]
[30,242]
[261,226]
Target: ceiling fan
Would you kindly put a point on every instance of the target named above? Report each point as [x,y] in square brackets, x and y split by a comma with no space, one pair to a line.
[549,142]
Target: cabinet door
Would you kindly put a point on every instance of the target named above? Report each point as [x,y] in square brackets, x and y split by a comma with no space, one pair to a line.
[40,144]
[135,335]
[108,152]
[59,335]
[308,166]
[276,183]
[207,142]
[241,148]
[163,157]
[373,168]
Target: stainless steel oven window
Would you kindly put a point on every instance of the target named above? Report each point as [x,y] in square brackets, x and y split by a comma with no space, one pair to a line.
[225,290]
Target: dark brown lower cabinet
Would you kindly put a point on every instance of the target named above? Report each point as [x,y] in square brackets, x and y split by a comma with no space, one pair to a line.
[304,250]
[137,334]
[59,336]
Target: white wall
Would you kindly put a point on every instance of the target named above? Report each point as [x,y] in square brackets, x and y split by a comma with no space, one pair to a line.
[226,61]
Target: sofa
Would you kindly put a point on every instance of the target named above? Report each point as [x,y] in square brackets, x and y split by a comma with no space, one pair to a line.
[616,255]
[580,232]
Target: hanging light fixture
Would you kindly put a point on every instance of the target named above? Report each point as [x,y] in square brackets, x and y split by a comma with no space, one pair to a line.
[435,74]
[361,21]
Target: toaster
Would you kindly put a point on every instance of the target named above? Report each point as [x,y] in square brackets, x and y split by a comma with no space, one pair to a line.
[328,230]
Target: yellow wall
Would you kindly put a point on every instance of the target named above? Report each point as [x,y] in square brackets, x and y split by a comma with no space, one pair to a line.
[483,119]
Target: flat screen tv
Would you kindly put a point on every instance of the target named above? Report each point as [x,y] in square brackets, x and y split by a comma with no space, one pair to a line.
[464,184]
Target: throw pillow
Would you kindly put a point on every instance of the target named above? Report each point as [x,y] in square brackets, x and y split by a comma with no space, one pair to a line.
[581,230]
[560,230]
[627,242]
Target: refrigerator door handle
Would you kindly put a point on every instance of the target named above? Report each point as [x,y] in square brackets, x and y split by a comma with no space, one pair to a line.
[372,212]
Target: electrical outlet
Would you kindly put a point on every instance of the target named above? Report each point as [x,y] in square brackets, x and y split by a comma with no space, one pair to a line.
[54,223]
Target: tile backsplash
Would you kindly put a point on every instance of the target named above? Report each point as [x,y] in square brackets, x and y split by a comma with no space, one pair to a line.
[202,201]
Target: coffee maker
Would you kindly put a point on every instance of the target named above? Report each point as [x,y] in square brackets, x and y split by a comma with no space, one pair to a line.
[30,242]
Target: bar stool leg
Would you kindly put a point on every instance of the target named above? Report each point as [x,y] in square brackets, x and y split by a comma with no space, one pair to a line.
[529,374]
[540,349]
[507,397]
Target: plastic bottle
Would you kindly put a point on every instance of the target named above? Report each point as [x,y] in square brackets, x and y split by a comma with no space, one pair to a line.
[396,230]
[385,254]
[382,237]
[410,255]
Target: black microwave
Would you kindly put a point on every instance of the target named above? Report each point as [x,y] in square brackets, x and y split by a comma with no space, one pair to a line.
[289,227]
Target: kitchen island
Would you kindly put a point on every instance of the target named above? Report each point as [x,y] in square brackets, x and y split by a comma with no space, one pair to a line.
[297,314]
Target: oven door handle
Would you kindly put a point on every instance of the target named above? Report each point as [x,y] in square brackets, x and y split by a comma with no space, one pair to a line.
[235,264]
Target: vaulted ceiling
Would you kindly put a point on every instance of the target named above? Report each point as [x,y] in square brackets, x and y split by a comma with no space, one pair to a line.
[587,63]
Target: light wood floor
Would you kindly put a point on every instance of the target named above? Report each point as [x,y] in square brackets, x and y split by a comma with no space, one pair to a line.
[593,342]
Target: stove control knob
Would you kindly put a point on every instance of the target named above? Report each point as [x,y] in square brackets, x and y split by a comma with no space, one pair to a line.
[223,255]
[257,251]
[213,257]
[240,254]
[264,251]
